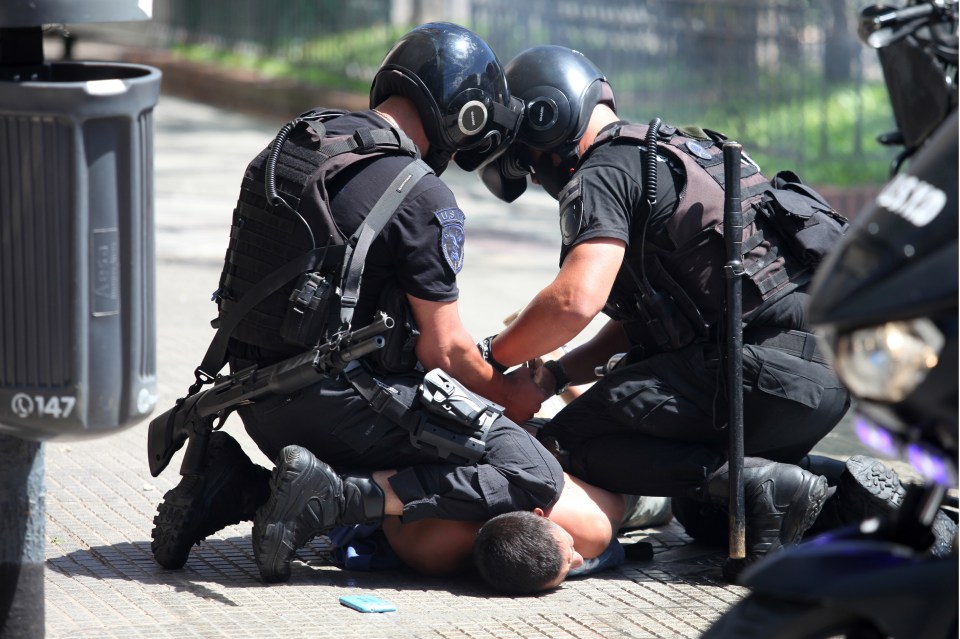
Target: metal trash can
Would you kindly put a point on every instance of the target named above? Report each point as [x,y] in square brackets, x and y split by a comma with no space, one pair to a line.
[77,259]
[77,327]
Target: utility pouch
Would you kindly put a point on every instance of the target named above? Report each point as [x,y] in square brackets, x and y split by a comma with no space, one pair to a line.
[447,398]
[659,327]
[462,422]
[802,217]
[665,319]
[313,302]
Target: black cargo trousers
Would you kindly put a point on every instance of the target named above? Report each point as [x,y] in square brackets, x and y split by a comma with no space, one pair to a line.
[658,427]
[334,422]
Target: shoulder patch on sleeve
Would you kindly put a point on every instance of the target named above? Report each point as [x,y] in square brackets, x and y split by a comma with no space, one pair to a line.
[571,211]
[451,236]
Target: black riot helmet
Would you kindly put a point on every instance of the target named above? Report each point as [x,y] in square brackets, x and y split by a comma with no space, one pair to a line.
[459,89]
[559,88]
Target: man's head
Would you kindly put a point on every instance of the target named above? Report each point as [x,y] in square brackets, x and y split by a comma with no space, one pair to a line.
[459,89]
[560,89]
[524,553]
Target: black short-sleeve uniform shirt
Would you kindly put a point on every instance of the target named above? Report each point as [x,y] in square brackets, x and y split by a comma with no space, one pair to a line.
[610,186]
[420,247]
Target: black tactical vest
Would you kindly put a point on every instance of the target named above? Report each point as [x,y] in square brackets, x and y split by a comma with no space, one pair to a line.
[267,235]
[671,298]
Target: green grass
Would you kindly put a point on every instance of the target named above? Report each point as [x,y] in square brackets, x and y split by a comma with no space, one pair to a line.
[784,120]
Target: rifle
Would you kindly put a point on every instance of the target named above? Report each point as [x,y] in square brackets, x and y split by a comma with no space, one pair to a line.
[193,417]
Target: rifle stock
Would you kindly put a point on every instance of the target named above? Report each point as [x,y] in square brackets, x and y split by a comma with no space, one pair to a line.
[168,432]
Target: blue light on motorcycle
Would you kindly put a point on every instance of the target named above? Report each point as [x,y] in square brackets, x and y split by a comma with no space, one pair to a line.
[876,437]
[887,362]
[932,465]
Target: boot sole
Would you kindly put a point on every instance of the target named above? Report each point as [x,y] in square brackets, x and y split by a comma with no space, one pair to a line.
[174,534]
[872,489]
[868,488]
[275,543]
[944,532]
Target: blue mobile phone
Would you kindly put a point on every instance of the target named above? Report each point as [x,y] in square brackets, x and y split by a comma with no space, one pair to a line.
[367,603]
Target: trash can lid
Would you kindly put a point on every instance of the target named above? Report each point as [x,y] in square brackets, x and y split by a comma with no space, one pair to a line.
[29,13]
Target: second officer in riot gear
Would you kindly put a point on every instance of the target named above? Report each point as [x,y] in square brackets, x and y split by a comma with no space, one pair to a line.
[640,217]
[383,438]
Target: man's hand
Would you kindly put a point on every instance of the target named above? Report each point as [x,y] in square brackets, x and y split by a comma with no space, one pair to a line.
[524,396]
[544,379]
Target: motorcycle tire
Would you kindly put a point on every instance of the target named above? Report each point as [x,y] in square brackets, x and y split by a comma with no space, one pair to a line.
[764,617]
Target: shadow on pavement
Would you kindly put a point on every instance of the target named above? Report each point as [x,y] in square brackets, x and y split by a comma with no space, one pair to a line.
[229,563]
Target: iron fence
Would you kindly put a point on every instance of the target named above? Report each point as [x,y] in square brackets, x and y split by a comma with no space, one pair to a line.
[787,78]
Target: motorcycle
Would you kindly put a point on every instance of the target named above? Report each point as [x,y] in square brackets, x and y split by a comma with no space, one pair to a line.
[885,303]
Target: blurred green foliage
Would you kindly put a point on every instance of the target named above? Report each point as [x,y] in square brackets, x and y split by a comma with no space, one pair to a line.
[840,130]
[836,125]
[346,60]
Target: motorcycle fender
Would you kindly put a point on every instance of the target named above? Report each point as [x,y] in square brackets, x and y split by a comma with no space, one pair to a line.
[900,591]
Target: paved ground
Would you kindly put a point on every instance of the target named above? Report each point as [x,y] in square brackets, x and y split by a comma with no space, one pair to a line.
[102,581]
[101,577]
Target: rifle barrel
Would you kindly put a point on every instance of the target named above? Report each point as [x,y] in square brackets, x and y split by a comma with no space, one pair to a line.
[357,351]
[380,324]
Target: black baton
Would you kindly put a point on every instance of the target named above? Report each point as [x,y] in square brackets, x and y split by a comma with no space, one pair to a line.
[733,272]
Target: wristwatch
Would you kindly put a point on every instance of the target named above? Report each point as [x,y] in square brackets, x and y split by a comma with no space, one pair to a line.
[556,369]
[486,351]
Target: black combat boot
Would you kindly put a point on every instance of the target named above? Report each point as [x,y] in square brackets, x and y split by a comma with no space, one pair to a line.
[307,499]
[833,470]
[781,501]
[868,488]
[230,490]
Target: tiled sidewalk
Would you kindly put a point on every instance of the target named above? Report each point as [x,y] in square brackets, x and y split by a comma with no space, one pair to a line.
[101,577]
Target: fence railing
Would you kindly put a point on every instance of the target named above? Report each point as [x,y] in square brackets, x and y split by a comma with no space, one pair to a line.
[786,78]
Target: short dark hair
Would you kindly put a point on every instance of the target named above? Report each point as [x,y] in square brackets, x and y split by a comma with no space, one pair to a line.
[518,553]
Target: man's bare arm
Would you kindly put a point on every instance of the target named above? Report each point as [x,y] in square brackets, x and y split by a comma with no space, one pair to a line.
[444,343]
[560,311]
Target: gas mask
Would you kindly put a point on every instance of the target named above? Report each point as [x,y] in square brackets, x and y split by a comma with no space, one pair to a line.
[506,177]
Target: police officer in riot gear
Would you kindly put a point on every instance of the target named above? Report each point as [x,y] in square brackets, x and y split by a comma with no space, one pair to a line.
[389,435]
[640,216]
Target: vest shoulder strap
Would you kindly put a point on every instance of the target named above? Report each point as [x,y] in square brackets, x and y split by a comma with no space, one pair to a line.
[360,241]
